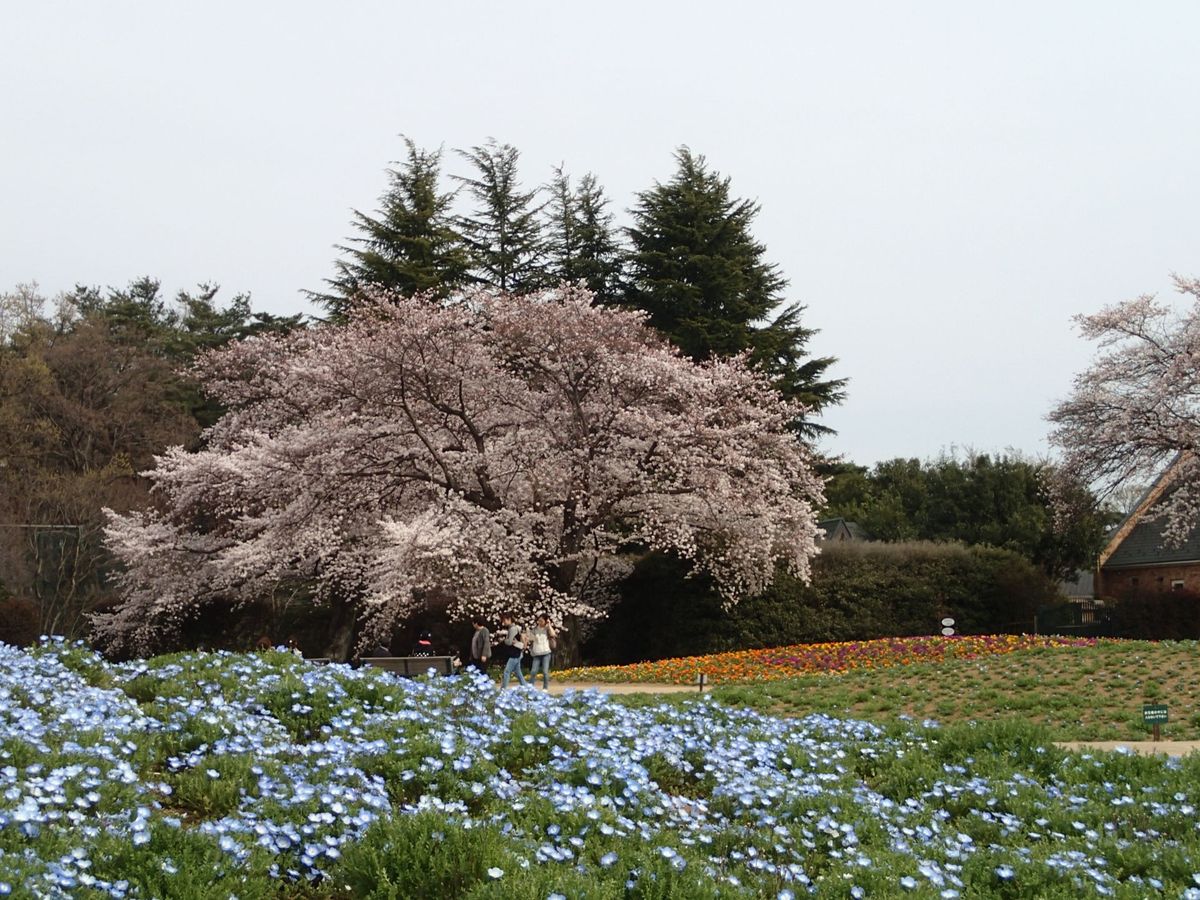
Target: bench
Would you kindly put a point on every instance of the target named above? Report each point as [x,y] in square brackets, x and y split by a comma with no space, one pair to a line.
[411,666]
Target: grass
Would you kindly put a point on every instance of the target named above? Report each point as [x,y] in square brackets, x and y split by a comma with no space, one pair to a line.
[1093,693]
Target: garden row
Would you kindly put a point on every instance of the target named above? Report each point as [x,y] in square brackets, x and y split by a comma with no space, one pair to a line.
[774,663]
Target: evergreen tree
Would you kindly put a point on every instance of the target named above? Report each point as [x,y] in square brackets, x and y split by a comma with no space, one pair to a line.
[697,270]
[411,247]
[581,244]
[503,236]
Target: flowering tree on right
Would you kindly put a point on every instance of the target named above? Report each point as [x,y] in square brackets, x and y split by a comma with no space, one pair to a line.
[1136,410]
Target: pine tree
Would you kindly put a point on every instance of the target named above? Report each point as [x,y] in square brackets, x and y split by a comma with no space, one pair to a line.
[697,270]
[411,246]
[581,245]
[503,235]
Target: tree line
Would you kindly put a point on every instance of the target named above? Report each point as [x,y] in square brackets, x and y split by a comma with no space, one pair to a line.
[688,259]
[97,383]
[93,385]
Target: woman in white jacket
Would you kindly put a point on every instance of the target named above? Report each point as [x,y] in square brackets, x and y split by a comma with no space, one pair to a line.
[542,641]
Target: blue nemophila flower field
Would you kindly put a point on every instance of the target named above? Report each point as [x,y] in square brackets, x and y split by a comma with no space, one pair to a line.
[222,775]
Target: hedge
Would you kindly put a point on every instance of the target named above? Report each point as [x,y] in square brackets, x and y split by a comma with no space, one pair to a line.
[859,591]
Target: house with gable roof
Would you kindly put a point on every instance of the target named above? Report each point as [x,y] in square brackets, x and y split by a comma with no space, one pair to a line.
[1137,559]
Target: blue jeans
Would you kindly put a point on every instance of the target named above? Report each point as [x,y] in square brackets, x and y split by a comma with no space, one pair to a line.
[542,662]
[511,666]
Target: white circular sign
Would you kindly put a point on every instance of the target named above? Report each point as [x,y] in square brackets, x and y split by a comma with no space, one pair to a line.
[948,622]
[948,631]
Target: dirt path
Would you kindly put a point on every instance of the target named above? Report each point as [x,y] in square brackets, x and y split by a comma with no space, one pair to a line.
[559,687]
[1145,748]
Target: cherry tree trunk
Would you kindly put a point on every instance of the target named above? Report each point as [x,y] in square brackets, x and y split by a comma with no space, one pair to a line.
[339,645]
[569,652]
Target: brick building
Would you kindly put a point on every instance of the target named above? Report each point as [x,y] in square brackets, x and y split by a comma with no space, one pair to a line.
[1136,558]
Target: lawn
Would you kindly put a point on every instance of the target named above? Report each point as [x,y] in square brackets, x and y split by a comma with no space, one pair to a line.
[200,776]
[1076,690]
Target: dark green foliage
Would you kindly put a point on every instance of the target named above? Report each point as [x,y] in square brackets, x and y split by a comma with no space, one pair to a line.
[1000,502]
[19,621]
[88,396]
[503,234]
[411,246]
[1153,615]
[858,592]
[697,270]
[580,243]
[139,315]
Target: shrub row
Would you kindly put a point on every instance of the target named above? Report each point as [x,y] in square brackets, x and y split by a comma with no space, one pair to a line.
[858,591]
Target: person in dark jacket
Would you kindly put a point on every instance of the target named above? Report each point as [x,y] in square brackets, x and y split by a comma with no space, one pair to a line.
[481,645]
[512,646]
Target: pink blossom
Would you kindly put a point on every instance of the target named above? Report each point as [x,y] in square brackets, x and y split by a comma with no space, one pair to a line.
[506,452]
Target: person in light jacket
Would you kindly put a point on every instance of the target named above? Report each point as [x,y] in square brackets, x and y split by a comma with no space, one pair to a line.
[542,641]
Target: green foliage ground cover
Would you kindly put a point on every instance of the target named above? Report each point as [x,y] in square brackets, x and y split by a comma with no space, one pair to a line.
[1089,693]
[218,775]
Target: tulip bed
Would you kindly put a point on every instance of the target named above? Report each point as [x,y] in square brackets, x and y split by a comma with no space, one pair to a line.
[775,663]
[261,776]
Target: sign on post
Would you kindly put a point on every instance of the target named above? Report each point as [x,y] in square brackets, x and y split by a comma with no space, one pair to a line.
[1155,715]
[702,680]
[948,627]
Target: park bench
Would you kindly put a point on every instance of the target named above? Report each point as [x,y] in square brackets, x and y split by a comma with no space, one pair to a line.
[411,666]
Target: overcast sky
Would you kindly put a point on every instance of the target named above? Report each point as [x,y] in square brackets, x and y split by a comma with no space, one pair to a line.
[944,184]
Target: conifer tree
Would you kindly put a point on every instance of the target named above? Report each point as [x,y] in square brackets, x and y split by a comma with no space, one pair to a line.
[697,270]
[502,236]
[411,246]
[581,245]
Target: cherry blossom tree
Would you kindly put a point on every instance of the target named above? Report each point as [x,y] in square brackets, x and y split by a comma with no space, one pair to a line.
[1136,410]
[500,453]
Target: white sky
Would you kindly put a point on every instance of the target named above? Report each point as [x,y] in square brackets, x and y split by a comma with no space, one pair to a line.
[944,183]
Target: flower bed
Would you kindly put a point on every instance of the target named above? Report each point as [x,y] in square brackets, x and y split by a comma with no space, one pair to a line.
[774,663]
[211,775]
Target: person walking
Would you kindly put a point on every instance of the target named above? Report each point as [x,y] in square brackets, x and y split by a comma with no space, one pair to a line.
[481,645]
[542,641]
[513,647]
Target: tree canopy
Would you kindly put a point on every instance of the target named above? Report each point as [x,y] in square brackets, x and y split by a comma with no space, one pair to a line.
[498,452]
[689,258]
[695,267]
[411,246]
[1000,502]
[1136,409]
[89,392]
[503,233]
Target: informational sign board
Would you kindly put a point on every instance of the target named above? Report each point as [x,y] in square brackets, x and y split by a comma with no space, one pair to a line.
[1154,714]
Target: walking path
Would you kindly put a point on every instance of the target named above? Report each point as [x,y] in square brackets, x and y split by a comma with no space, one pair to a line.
[1145,748]
[606,687]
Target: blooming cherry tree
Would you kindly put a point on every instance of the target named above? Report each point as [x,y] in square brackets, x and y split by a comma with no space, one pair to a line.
[500,453]
[1137,408]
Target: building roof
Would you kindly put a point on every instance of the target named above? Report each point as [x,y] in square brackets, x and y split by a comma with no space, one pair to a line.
[1138,541]
[1144,546]
[830,527]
